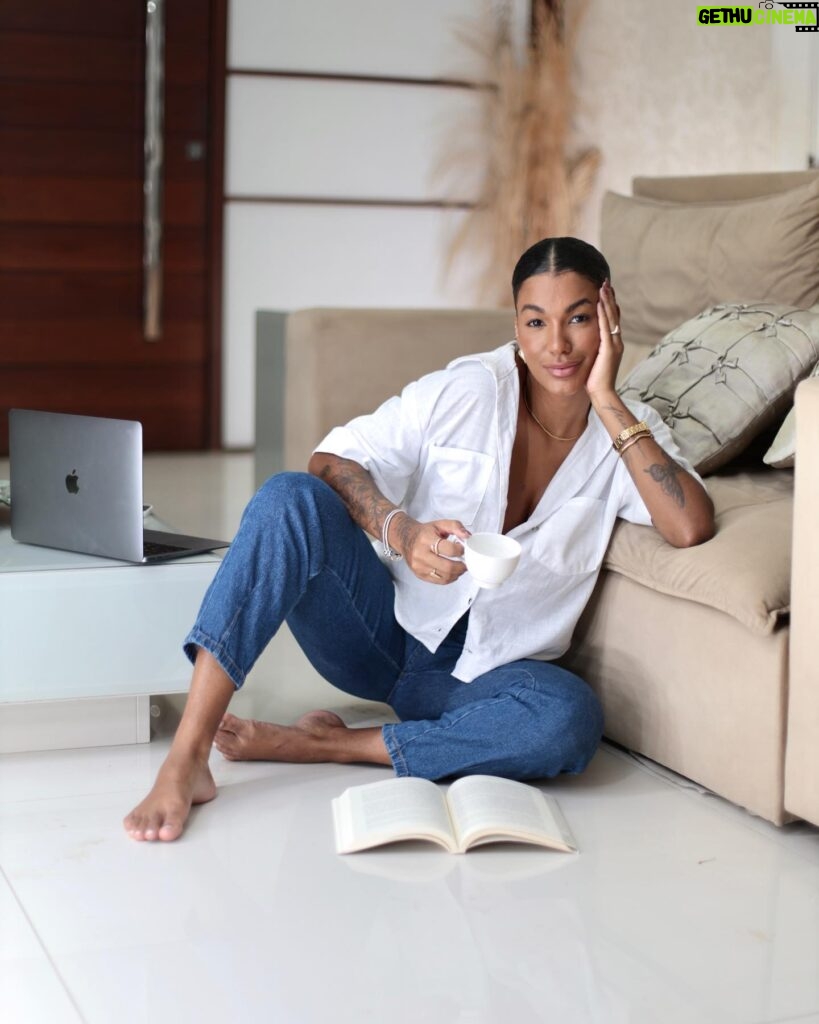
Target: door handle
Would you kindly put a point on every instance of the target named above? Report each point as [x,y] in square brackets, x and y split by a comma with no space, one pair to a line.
[154,165]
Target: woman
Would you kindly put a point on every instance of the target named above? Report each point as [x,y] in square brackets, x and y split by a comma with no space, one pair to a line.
[517,440]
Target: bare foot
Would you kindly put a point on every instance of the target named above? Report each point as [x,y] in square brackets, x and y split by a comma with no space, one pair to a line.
[245,739]
[164,811]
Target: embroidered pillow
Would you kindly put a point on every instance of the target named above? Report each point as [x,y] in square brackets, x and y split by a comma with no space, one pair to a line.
[721,378]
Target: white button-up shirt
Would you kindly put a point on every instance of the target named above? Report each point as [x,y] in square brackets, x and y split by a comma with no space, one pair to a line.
[443,450]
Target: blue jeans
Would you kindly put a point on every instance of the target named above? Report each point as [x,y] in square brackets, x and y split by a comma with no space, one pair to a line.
[299,558]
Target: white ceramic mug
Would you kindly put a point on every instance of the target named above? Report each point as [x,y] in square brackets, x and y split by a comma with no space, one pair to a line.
[490,558]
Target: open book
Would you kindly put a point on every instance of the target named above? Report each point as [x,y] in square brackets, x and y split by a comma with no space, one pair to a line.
[476,809]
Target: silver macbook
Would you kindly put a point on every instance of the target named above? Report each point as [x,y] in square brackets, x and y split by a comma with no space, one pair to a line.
[76,484]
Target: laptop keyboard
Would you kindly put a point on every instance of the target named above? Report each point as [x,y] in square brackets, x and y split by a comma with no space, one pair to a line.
[150,548]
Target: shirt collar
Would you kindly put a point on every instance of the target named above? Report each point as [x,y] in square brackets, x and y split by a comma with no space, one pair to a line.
[500,361]
[593,446]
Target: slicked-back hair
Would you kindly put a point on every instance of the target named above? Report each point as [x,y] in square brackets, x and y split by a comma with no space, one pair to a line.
[560,256]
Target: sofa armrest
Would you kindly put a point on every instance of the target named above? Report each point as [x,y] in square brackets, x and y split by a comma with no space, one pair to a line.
[802,753]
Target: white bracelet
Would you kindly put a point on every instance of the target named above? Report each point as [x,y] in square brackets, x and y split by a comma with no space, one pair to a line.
[388,551]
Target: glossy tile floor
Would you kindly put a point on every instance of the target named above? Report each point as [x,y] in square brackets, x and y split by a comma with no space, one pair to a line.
[679,907]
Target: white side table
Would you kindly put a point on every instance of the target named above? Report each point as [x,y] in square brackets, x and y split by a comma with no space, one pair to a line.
[86,641]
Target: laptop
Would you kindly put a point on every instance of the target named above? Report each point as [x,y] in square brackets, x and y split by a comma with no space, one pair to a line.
[76,484]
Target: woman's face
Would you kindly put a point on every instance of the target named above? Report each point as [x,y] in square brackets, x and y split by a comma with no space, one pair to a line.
[557,330]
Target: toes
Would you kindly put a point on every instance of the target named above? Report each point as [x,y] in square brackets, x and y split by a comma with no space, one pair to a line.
[133,825]
[231,737]
[150,827]
[141,832]
[225,747]
[151,831]
[171,830]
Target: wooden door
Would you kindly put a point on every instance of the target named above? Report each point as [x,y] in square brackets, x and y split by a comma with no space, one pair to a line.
[72,113]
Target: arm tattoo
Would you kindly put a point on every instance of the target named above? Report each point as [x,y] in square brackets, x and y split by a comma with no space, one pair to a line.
[354,485]
[407,530]
[618,414]
[666,477]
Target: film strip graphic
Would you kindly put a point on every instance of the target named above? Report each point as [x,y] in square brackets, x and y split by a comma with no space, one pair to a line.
[801,7]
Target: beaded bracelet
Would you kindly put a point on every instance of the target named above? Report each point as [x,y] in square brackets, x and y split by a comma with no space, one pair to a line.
[388,551]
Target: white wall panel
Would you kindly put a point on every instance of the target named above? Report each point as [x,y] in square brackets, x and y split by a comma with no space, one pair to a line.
[294,256]
[401,38]
[296,137]
[348,140]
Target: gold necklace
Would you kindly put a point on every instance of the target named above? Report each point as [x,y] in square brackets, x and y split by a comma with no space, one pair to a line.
[555,437]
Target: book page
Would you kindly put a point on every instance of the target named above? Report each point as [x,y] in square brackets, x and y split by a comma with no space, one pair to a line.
[383,812]
[483,805]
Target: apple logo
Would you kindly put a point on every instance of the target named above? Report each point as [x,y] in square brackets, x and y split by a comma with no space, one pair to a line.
[72,482]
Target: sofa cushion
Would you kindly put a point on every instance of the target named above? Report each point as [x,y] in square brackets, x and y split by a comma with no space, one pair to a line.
[721,378]
[782,453]
[744,570]
[669,260]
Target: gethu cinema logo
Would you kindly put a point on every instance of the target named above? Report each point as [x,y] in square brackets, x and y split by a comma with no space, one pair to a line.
[763,14]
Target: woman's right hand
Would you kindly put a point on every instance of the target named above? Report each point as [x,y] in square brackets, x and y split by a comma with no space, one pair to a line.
[418,543]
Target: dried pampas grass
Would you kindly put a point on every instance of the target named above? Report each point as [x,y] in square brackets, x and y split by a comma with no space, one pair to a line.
[530,187]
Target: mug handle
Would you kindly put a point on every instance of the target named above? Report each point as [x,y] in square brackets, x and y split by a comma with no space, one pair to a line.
[453,558]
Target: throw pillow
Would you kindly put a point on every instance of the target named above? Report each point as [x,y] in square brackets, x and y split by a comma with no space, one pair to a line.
[669,260]
[782,453]
[721,378]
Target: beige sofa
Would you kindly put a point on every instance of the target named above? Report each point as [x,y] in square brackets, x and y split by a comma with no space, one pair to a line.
[701,657]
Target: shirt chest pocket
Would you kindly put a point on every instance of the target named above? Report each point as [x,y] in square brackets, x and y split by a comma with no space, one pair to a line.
[573,540]
[453,483]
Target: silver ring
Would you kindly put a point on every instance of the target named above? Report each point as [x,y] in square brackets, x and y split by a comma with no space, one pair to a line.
[615,330]
[435,550]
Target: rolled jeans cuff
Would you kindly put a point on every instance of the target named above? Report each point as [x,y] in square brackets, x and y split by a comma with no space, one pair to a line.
[198,638]
[394,750]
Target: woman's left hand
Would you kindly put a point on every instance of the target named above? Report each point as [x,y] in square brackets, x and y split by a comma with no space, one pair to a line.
[603,374]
